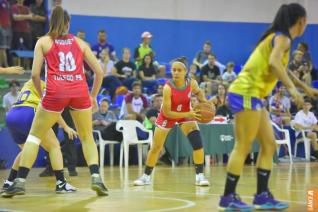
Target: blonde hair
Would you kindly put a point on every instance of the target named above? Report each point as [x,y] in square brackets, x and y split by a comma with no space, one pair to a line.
[58,22]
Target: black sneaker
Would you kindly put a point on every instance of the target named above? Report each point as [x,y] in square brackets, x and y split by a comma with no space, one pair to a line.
[5,186]
[72,173]
[47,172]
[17,188]
[98,186]
[64,187]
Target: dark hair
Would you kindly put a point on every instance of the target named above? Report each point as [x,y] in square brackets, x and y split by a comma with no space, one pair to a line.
[151,59]
[136,83]
[102,31]
[14,82]
[307,99]
[105,100]
[208,43]
[183,60]
[286,17]
[305,45]
[58,22]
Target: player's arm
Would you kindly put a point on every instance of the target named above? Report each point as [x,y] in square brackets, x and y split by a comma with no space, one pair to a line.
[166,106]
[281,45]
[70,132]
[12,70]
[38,60]
[197,91]
[307,89]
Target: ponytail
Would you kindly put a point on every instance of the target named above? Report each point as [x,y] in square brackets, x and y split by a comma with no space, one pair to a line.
[286,17]
[59,22]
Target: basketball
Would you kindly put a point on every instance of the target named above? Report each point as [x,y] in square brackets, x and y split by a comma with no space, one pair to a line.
[207,112]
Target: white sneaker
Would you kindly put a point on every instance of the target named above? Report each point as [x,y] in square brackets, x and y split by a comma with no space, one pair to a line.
[64,187]
[143,180]
[200,180]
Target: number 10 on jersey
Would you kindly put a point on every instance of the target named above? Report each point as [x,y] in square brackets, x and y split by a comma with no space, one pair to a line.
[67,62]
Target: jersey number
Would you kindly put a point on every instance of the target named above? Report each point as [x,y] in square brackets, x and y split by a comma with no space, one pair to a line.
[179,108]
[23,97]
[67,62]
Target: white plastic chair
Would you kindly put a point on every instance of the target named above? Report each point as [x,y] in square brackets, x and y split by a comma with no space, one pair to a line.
[128,128]
[102,143]
[285,140]
[302,139]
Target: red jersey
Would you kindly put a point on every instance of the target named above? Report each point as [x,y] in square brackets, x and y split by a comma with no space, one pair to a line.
[180,98]
[64,69]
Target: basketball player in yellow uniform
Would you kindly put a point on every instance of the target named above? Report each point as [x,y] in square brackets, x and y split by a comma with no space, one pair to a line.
[19,120]
[266,65]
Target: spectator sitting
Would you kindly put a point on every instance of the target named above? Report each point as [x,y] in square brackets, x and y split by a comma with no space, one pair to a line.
[147,72]
[103,44]
[143,49]
[134,104]
[210,72]
[82,35]
[125,70]
[306,59]
[152,113]
[201,58]
[279,106]
[105,121]
[11,97]
[220,102]
[38,21]
[229,75]
[193,72]
[5,32]
[106,63]
[299,68]
[306,120]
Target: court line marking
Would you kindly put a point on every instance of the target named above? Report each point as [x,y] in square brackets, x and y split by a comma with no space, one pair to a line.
[189,204]
[210,194]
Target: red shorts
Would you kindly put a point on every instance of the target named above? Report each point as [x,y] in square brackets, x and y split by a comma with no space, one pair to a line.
[163,122]
[54,104]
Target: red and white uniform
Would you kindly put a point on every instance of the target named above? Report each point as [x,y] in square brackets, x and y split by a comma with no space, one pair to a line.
[180,102]
[65,79]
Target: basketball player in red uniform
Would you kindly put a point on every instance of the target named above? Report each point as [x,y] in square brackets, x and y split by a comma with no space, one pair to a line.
[176,109]
[64,55]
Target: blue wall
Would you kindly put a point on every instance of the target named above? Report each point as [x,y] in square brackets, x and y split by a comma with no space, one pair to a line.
[230,41]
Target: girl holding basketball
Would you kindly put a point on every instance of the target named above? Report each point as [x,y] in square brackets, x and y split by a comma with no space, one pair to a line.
[266,65]
[176,109]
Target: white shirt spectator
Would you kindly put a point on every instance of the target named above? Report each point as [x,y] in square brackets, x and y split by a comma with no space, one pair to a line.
[305,120]
[9,100]
[229,76]
[109,67]
[138,104]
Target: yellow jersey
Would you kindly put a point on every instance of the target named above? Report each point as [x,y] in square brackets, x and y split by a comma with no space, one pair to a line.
[256,78]
[29,96]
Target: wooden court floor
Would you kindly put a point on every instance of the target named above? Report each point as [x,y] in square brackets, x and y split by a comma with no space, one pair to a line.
[173,189]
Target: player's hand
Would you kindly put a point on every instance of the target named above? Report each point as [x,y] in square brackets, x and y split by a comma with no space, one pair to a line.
[72,134]
[194,114]
[15,70]
[94,104]
[297,98]
[311,92]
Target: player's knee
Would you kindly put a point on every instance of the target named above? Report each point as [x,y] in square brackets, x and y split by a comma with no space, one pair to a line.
[33,139]
[195,139]
[86,137]
[155,149]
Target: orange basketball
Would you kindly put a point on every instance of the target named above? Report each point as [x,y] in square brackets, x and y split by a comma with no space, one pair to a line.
[207,112]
